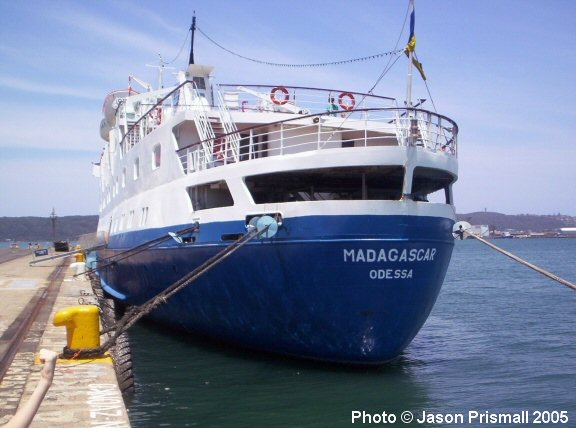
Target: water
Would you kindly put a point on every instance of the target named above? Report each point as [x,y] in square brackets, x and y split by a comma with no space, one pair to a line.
[501,339]
[25,245]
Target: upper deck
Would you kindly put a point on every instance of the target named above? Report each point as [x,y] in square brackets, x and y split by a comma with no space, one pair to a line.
[242,122]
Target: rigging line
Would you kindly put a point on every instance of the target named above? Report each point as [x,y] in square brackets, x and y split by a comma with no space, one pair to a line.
[179,51]
[430,96]
[427,88]
[386,70]
[389,66]
[345,118]
[322,64]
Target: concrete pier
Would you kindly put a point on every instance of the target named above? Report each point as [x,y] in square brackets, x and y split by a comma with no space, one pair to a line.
[83,392]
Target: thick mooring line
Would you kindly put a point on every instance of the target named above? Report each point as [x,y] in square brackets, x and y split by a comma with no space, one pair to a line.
[139,248]
[134,314]
[524,262]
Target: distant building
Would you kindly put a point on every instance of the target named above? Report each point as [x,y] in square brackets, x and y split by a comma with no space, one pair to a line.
[481,230]
[568,230]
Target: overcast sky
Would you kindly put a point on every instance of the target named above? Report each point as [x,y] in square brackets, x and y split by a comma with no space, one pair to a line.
[502,69]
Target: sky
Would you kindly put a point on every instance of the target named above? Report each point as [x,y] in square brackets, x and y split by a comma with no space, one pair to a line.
[502,69]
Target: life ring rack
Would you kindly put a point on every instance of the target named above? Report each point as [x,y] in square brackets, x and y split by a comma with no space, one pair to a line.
[346,106]
[275,99]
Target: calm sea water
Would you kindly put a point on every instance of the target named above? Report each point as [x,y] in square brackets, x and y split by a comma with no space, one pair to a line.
[500,340]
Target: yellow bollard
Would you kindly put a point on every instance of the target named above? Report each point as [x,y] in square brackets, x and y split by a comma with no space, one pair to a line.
[79,256]
[82,326]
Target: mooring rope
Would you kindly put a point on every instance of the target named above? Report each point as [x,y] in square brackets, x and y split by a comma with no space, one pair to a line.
[138,249]
[133,315]
[524,262]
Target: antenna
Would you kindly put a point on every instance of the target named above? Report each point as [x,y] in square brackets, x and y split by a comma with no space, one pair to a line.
[192,30]
[160,68]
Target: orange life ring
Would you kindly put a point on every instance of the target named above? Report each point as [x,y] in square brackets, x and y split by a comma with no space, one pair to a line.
[345,106]
[276,100]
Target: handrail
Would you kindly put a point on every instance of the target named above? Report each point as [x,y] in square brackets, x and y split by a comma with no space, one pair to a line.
[232,143]
[453,130]
[309,88]
[158,103]
[418,127]
[422,120]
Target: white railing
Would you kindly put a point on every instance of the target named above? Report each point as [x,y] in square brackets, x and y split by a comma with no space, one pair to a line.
[298,100]
[316,119]
[373,127]
[232,142]
[154,109]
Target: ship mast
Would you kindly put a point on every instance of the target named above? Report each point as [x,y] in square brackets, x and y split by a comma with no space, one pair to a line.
[192,30]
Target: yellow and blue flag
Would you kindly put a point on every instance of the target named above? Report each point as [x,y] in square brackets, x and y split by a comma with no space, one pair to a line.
[412,38]
[411,46]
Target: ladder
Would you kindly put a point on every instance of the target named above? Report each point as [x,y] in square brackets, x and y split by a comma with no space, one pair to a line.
[227,126]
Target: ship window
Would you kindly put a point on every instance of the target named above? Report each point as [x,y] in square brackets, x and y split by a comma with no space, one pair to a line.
[347,183]
[144,216]
[136,168]
[210,195]
[199,82]
[431,185]
[131,220]
[156,156]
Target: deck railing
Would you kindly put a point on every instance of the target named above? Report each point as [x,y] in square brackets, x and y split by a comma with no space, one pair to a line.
[300,100]
[353,129]
[316,119]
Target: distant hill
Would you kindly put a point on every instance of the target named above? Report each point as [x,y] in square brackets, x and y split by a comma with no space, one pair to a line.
[69,228]
[33,229]
[521,222]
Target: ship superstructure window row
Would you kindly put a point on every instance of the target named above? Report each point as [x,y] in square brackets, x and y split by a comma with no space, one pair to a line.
[136,168]
[339,183]
[156,156]
[350,183]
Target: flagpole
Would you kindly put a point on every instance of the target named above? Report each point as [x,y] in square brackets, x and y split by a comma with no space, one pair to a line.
[409,81]
[410,48]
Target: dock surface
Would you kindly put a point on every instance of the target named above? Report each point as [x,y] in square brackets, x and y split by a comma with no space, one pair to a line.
[83,393]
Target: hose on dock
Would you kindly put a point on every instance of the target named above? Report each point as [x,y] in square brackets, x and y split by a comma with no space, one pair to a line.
[460,230]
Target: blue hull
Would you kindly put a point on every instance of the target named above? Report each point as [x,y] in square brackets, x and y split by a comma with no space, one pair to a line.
[343,289]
